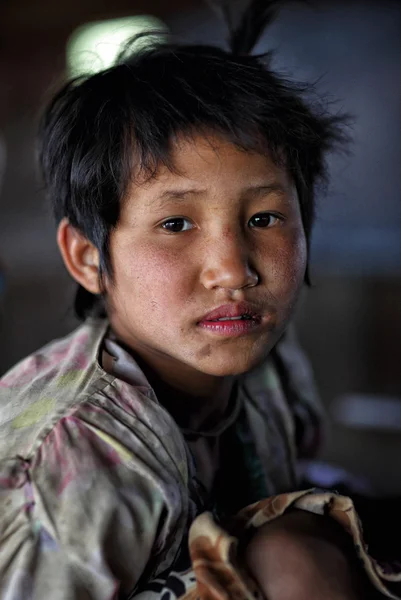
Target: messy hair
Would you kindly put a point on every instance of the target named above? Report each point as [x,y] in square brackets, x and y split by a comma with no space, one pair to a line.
[100,130]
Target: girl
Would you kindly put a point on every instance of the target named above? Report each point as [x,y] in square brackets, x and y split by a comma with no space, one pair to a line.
[183,183]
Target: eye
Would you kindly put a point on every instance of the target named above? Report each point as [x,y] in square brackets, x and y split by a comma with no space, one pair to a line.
[263,220]
[176,225]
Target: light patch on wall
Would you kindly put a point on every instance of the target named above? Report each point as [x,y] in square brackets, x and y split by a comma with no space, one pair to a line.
[95,46]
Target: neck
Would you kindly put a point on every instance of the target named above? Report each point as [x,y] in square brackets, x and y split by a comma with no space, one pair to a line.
[196,411]
[196,400]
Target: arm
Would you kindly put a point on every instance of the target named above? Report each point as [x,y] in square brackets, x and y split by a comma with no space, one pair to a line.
[306,556]
[80,520]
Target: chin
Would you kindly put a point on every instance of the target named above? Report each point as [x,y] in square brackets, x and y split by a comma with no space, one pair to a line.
[229,368]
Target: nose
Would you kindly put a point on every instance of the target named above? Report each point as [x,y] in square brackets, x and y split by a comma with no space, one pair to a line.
[227,263]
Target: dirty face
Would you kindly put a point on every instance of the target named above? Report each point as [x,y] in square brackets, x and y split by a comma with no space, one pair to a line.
[208,262]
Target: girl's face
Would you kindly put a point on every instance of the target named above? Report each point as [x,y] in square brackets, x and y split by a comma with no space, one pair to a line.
[223,233]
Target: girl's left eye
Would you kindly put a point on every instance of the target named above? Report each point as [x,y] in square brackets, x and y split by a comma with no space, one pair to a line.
[177,225]
[263,220]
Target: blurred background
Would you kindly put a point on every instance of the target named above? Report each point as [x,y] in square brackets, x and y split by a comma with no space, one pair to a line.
[349,322]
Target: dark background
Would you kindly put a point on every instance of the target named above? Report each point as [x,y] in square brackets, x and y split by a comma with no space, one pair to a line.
[350,321]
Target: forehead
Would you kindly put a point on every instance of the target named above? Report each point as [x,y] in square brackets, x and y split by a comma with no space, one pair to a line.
[208,164]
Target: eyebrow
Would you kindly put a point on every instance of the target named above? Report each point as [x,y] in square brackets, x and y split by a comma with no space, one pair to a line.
[266,188]
[177,194]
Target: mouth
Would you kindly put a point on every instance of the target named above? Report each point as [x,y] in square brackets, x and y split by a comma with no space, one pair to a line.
[240,318]
[232,319]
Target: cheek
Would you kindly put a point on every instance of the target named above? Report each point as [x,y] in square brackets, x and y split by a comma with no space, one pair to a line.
[288,265]
[298,257]
[152,279]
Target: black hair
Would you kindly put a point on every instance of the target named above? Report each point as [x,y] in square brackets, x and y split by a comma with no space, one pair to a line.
[99,130]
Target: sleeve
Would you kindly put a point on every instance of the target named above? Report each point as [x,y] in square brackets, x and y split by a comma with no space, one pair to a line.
[214,550]
[80,520]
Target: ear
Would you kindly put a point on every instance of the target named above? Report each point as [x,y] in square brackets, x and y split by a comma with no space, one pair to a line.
[80,256]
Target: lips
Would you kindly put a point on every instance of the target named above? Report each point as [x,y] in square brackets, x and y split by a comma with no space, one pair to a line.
[233,313]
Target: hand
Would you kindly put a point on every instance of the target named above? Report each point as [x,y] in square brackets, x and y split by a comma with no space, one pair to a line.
[303,556]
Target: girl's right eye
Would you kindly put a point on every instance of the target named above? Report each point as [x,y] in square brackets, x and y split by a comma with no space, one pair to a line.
[176,225]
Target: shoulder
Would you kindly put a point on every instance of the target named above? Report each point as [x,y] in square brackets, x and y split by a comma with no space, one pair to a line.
[60,408]
[73,352]
[285,381]
[44,386]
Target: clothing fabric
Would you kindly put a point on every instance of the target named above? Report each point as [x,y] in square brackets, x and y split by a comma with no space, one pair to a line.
[99,497]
